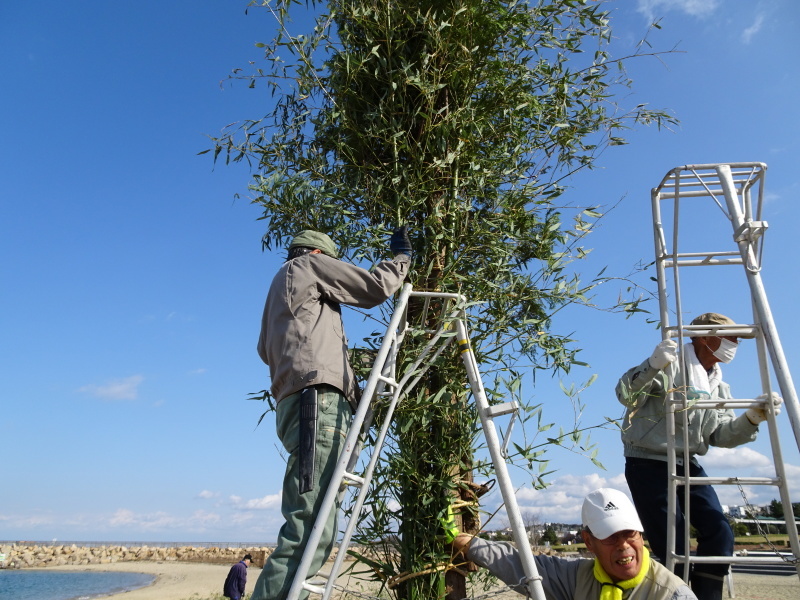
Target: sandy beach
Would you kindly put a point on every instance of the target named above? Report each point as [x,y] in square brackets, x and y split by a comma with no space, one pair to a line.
[174,580]
[193,581]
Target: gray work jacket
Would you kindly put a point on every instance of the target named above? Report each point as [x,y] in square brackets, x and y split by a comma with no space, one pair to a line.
[643,390]
[571,578]
[302,337]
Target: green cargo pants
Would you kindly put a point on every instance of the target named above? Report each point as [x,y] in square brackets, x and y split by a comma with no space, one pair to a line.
[300,510]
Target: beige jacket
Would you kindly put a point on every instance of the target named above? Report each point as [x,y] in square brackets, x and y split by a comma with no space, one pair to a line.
[302,336]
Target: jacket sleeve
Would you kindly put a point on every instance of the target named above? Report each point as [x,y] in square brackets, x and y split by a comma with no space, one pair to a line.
[727,430]
[684,593]
[732,431]
[641,383]
[345,283]
[559,575]
[501,559]
[261,346]
[242,578]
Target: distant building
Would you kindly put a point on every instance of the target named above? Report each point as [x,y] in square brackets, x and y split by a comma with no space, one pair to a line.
[565,533]
[744,512]
[738,512]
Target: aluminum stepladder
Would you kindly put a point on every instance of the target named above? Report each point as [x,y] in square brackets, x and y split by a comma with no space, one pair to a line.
[384,382]
[738,190]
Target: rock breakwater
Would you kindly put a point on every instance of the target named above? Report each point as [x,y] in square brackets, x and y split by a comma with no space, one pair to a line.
[26,556]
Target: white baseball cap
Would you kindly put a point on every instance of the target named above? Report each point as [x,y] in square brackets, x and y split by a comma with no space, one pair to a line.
[606,511]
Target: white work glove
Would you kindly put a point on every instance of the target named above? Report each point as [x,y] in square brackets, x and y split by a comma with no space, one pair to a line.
[757,415]
[665,353]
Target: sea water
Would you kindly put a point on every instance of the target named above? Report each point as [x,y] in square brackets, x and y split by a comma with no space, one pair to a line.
[67,585]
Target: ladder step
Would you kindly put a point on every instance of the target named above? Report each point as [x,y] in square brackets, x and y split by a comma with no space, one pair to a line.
[315,586]
[723,403]
[731,480]
[701,262]
[314,589]
[702,255]
[353,479]
[505,408]
[739,560]
[737,329]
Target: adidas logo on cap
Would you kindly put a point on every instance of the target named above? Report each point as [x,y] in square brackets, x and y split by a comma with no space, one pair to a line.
[610,506]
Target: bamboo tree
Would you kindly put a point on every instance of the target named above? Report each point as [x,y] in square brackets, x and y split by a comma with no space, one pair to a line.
[462,119]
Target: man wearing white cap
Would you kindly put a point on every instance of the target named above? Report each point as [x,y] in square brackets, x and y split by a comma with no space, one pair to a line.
[644,390]
[621,569]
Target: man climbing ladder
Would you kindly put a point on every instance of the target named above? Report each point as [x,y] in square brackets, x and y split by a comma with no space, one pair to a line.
[302,340]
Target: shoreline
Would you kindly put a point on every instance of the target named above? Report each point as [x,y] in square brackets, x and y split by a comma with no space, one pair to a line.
[173,580]
[186,581]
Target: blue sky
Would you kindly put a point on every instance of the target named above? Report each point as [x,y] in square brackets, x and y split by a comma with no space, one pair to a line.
[133,281]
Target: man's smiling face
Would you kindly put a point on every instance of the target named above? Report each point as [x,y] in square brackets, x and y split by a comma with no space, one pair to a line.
[620,554]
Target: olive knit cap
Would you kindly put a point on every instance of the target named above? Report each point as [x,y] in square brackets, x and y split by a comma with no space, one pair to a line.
[314,239]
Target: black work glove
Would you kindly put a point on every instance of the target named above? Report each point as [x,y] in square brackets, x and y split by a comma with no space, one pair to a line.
[399,242]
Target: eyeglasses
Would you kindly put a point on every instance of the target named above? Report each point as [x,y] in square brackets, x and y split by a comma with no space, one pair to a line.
[628,535]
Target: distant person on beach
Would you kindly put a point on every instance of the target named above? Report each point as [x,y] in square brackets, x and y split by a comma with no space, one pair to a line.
[303,343]
[621,568]
[644,390]
[236,580]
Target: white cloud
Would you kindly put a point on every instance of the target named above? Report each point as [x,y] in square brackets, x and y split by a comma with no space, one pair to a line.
[158,521]
[123,516]
[747,34]
[207,495]
[746,462]
[118,389]
[249,520]
[733,460]
[155,521]
[230,523]
[559,503]
[28,521]
[201,518]
[695,8]
[269,502]
[793,479]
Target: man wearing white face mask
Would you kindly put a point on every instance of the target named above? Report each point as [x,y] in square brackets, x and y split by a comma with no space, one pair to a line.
[643,390]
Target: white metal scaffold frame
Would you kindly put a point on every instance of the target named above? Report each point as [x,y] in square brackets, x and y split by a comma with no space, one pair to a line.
[383,383]
[738,190]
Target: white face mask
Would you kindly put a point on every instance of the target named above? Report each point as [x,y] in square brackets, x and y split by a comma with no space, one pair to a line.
[726,350]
